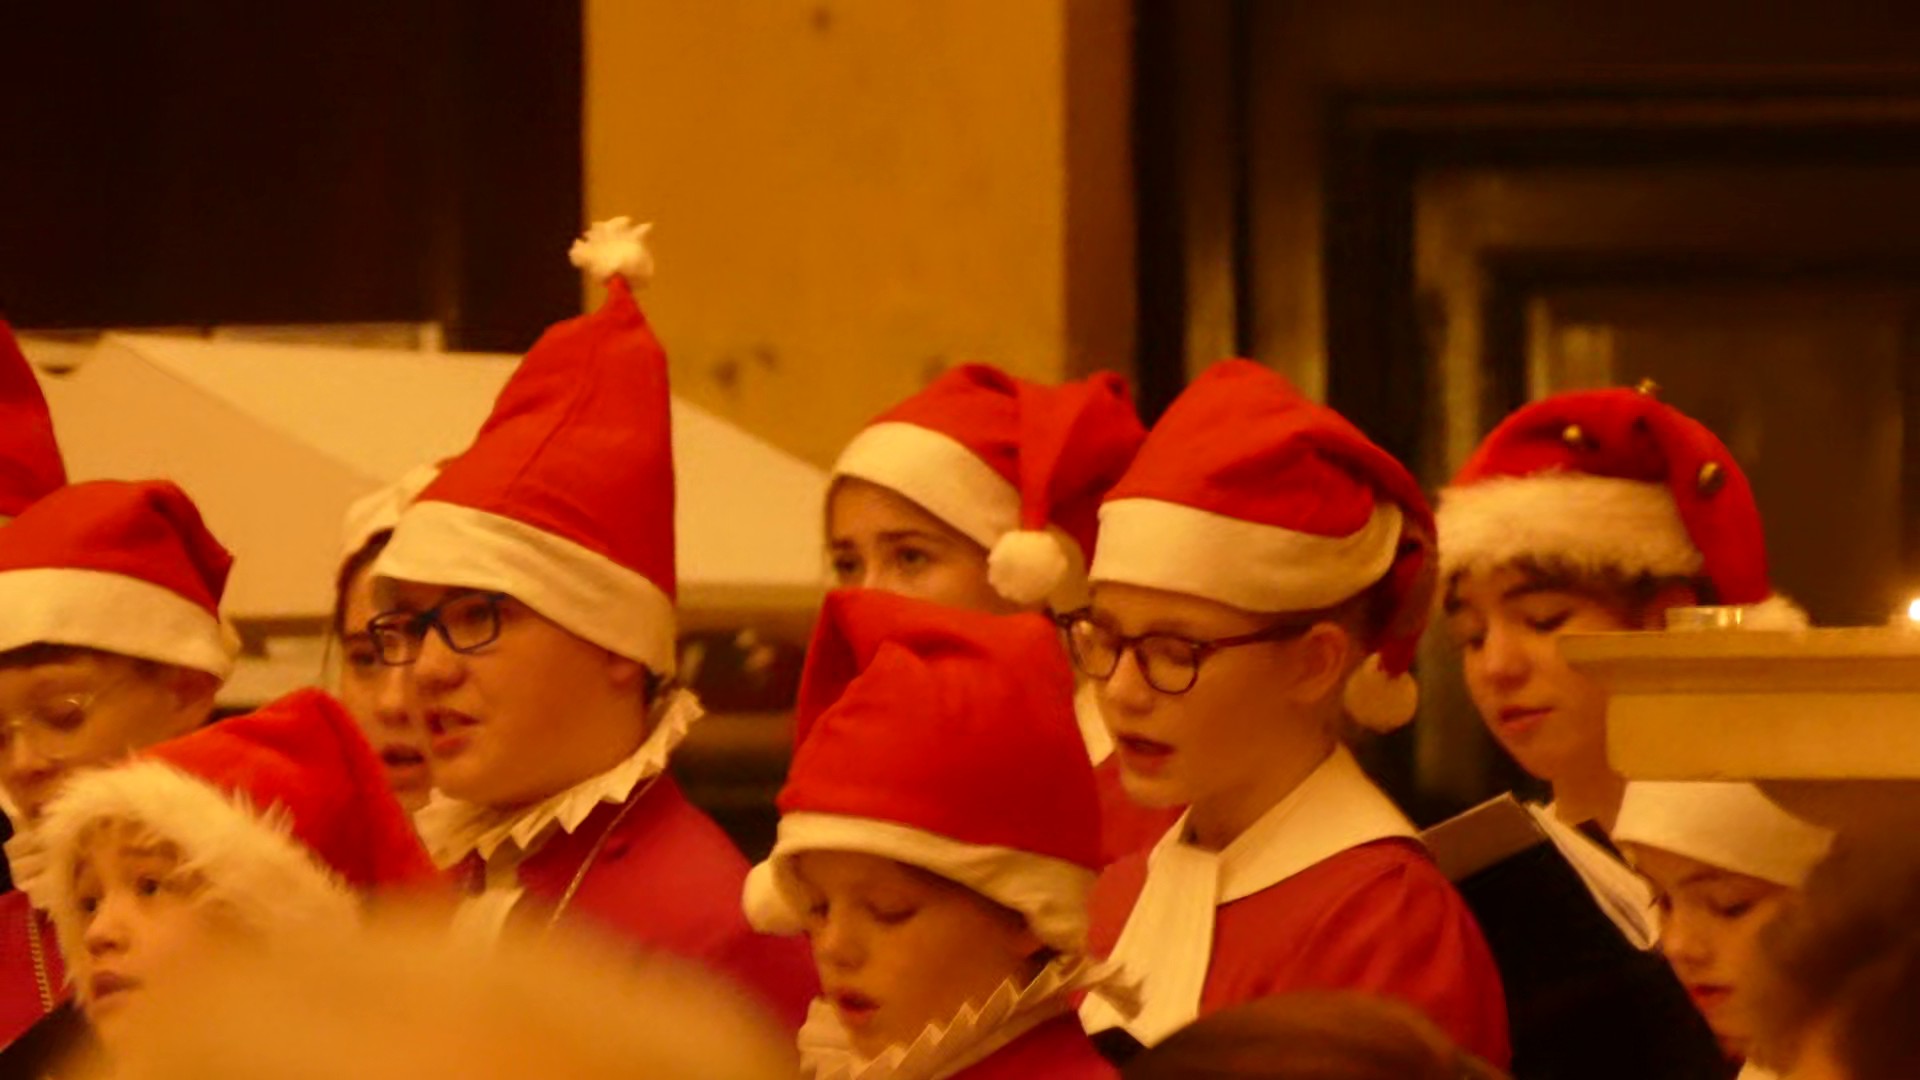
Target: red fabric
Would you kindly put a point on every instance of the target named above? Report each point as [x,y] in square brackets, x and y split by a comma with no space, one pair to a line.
[30,466]
[580,442]
[1243,443]
[1056,1050]
[669,879]
[1378,918]
[1630,435]
[954,722]
[1125,825]
[19,988]
[305,755]
[1060,446]
[147,530]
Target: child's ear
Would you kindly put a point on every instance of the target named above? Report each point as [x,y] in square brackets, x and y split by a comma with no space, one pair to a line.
[1325,656]
[192,693]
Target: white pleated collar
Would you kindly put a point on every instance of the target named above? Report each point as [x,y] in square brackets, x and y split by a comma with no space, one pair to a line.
[454,829]
[976,1034]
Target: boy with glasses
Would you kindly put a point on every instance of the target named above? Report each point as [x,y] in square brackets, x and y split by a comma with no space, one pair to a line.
[110,641]
[1262,576]
[529,593]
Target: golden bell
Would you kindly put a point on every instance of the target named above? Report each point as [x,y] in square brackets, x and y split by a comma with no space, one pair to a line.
[1712,478]
[1575,436]
[1647,387]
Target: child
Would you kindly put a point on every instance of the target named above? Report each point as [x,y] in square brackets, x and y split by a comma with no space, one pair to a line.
[1592,511]
[1263,576]
[376,694]
[260,829]
[982,492]
[110,640]
[1724,860]
[530,593]
[938,839]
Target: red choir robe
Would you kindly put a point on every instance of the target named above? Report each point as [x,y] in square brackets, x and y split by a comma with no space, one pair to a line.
[1056,1050]
[665,877]
[1331,891]
[21,1002]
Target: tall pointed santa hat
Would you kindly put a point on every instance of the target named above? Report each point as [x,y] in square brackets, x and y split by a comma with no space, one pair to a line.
[943,739]
[1730,826]
[122,567]
[375,514]
[284,813]
[1016,466]
[1249,494]
[565,499]
[1612,481]
[30,466]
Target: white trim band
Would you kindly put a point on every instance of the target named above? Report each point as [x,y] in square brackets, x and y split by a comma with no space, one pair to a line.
[586,593]
[1254,567]
[114,613]
[1052,893]
[252,863]
[938,473]
[1725,825]
[1587,523]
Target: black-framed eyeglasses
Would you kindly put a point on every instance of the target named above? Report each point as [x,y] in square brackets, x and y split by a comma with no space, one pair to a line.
[466,622]
[1169,662]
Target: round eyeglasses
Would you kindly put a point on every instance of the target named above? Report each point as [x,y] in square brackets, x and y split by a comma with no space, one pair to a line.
[466,622]
[1170,663]
[53,726]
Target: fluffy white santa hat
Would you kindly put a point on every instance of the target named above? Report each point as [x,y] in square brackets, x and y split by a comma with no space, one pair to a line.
[1016,466]
[1729,826]
[943,739]
[1249,494]
[122,567]
[284,814]
[1613,481]
[565,500]
[30,465]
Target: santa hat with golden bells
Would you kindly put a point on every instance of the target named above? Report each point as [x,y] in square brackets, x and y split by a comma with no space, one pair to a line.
[565,500]
[30,466]
[1017,466]
[944,739]
[1613,481]
[121,567]
[283,813]
[1249,494]
[1727,826]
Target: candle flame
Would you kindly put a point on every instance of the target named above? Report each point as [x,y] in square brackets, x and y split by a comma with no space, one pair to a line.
[1913,610]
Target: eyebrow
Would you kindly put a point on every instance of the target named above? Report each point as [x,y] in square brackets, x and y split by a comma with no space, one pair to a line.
[1532,588]
[1704,876]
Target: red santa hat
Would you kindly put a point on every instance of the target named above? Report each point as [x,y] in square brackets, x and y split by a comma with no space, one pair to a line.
[1249,494]
[1612,481]
[1729,826]
[565,499]
[122,567]
[30,466]
[943,739]
[1016,466]
[284,813]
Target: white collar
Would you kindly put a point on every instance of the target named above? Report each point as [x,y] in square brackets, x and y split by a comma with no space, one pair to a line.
[1168,939]
[976,1034]
[453,828]
[1093,726]
[27,864]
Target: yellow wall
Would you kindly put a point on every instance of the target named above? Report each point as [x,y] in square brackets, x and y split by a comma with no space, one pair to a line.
[850,195]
